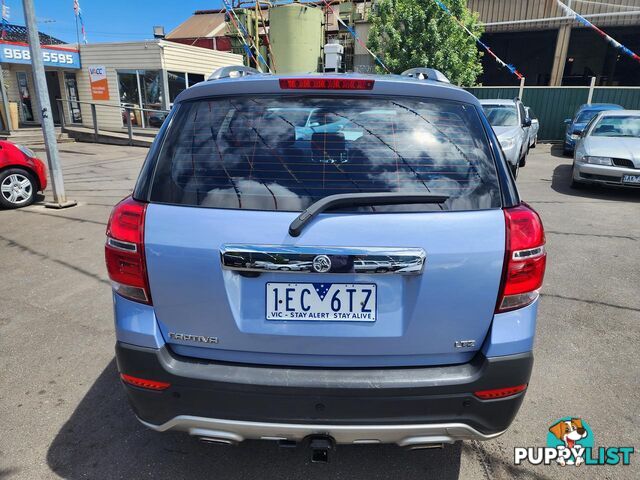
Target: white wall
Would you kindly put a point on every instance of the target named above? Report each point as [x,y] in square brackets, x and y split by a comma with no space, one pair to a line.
[145,55]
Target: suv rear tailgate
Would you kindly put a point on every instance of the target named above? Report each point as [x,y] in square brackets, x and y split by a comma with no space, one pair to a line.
[419,317]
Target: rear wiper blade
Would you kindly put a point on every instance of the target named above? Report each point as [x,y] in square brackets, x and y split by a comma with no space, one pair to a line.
[359,200]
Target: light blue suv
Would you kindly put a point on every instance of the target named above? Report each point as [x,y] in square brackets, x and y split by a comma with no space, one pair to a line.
[378,289]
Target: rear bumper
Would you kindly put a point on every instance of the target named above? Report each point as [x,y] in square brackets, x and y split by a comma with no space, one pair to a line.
[407,406]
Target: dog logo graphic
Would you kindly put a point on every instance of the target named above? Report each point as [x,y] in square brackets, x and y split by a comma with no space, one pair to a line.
[572,433]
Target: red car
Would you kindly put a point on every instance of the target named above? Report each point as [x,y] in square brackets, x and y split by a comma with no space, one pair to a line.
[21,175]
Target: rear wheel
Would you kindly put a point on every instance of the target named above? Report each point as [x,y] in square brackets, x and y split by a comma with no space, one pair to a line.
[535,142]
[17,188]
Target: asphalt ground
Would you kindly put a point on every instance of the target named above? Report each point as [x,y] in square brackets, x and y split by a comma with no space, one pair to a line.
[64,414]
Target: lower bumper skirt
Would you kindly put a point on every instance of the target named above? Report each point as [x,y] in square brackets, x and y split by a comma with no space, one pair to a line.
[235,431]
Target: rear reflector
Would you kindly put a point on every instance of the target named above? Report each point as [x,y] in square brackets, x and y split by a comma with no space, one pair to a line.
[144,383]
[525,258]
[326,84]
[499,392]
[124,251]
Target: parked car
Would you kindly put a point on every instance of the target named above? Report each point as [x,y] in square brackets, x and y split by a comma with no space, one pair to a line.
[511,124]
[579,120]
[434,345]
[22,174]
[534,129]
[607,150]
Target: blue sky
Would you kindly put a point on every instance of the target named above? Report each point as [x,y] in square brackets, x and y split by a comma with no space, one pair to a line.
[110,20]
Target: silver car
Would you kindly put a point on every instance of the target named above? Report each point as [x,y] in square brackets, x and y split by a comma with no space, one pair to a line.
[608,150]
[534,128]
[508,119]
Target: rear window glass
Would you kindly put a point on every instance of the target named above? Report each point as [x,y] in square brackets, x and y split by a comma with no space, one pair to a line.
[286,152]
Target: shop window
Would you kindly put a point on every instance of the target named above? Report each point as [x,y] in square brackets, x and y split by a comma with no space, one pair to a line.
[140,90]
[195,78]
[177,83]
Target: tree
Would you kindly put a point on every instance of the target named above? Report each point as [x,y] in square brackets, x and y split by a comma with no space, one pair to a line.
[418,33]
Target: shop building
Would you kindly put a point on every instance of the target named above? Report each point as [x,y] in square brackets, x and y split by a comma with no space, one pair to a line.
[101,81]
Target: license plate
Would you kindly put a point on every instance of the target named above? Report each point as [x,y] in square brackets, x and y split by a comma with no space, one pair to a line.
[334,302]
[634,179]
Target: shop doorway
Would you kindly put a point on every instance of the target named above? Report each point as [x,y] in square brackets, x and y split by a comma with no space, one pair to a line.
[53,85]
[71,86]
[25,98]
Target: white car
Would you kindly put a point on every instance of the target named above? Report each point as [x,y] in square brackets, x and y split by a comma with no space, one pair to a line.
[509,120]
[534,128]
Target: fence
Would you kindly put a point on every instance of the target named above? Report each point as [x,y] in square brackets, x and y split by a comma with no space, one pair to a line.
[143,118]
[553,104]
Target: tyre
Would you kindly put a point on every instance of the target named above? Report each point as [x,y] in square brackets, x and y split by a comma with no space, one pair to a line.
[523,161]
[535,141]
[577,185]
[566,151]
[17,188]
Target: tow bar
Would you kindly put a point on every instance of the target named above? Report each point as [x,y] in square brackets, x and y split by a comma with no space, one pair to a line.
[320,446]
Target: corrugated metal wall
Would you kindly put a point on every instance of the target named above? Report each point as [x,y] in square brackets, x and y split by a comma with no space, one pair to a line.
[553,104]
[492,11]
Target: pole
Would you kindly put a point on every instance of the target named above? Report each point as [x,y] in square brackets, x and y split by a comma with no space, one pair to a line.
[42,93]
[521,90]
[77,33]
[591,87]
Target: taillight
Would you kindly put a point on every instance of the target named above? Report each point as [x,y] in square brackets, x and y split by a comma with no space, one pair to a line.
[500,392]
[326,83]
[144,383]
[124,250]
[525,258]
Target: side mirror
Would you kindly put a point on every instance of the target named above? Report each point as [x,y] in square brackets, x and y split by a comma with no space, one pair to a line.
[527,122]
[578,132]
[567,121]
[314,124]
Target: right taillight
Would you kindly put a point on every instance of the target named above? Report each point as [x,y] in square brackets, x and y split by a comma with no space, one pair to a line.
[124,250]
[525,258]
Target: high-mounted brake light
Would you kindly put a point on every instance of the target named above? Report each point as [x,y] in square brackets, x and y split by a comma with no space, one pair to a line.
[500,392]
[326,84]
[525,258]
[124,251]
[144,383]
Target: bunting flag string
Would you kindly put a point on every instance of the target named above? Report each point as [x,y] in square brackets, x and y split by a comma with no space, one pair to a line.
[355,36]
[612,41]
[242,31]
[500,62]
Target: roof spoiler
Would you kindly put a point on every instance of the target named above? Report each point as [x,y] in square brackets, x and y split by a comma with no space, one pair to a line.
[233,71]
[424,73]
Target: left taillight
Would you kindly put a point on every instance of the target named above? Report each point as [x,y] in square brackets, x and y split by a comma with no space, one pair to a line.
[124,251]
